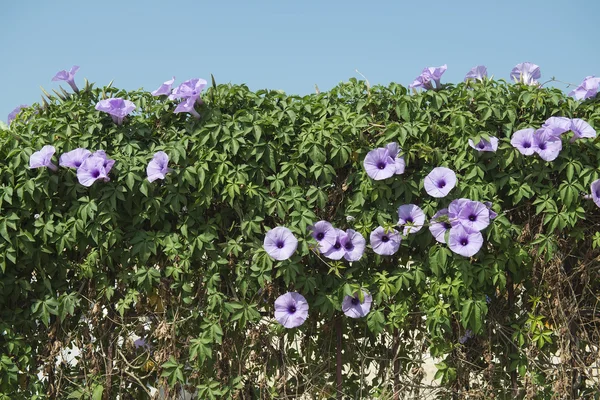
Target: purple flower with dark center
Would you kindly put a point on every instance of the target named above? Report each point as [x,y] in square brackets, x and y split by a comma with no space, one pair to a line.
[43,158]
[473,215]
[164,89]
[291,309]
[68,76]
[581,129]
[92,169]
[74,158]
[325,235]
[116,107]
[439,225]
[353,244]
[411,217]
[384,242]
[547,145]
[523,141]
[379,164]
[464,241]
[187,105]
[189,89]
[595,189]
[489,204]
[428,75]
[337,251]
[557,125]
[280,243]
[439,182]
[108,163]
[394,150]
[478,73]
[587,89]
[13,114]
[353,308]
[526,73]
[157,167]
[484,145]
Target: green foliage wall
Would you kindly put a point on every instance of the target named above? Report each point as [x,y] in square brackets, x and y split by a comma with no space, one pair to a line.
[180,262]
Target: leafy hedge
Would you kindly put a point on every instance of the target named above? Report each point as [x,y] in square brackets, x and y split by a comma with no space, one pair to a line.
[180,262]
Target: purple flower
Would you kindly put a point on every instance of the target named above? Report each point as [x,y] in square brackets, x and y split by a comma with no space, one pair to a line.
[188,106]
[337,251]
[523,141]
[472,215]
[325,235]
[439,182]
[393,150]
[92,169]
[379,164]
[439,225]
[353,308]
[484,145]
[189,89]
[411,217]
[464,241]
[108,163]
[384,242]
[141,343]
[595,188]
[557,125]
[157,168]
[280,243]
[428,75]
[547,145]
[116,107]
[43,158]
[488,204]
[421,81]
[588,88]
[291,309]
[68,76]
[74,158]
[353,244]
[13,114]
[468,335]
[526,73]
[164,89]
[581,129]
[478,73]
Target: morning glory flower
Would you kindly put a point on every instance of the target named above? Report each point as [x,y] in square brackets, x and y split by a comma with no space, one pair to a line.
[108,163]
[116,107]
[92,169]
[74,158]
[488,204]
[393,150]
[141,343]
[473,215]
[439,224]
[353,308]
[325,235]
[353,244]
[421,81]
[484,145]
[468,335]
[439,182]
[557,125]
[464,241]
[164,89]
[188,106]
[385,243]
[337,251]
[411,217]
[280,243]
[13,114]
[428,75]
[546,144]
[587,89]
[379,164]
[581,129]
[43,158]
[157,167]
[291,309]
[595,188]
[68,76]
[526,73]
[189,89]
[522,140]
[478,73]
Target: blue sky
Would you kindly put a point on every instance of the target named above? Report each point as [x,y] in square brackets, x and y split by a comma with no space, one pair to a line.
[285,44]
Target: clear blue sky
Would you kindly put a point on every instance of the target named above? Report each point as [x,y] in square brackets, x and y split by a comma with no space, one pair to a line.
[288,45]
